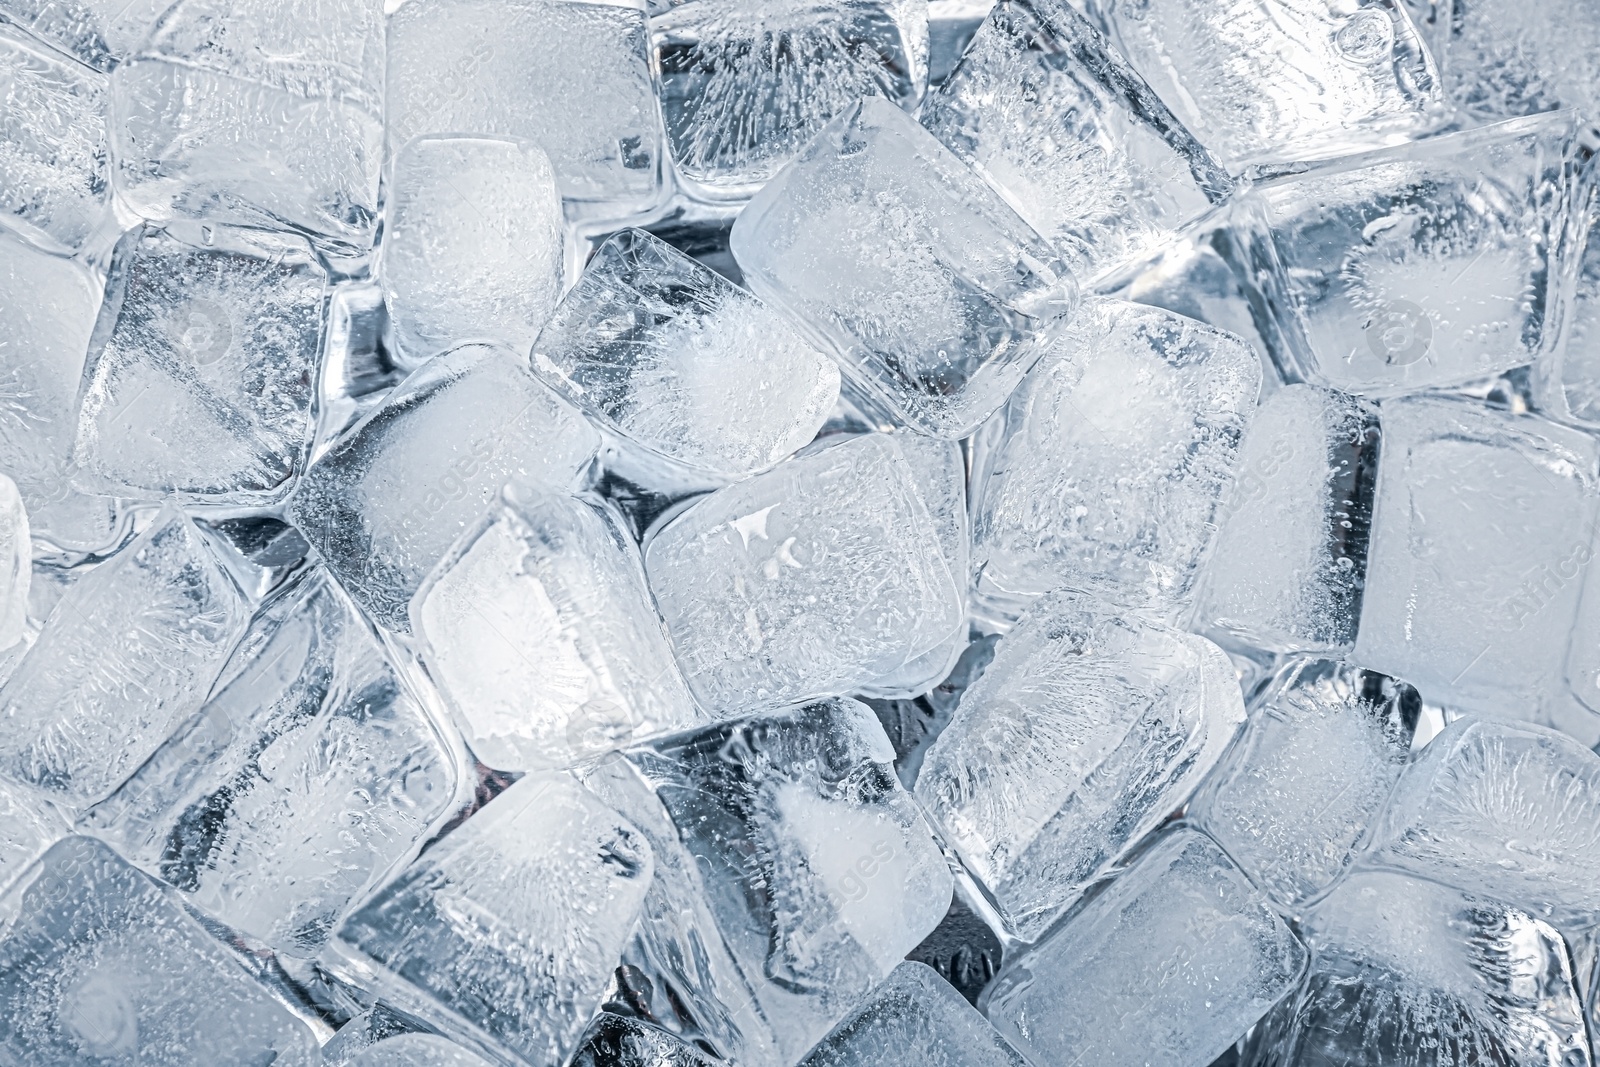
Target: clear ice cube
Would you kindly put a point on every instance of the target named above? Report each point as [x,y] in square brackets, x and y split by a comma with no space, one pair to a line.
[809,580]
[667,353]
[97,33]
[1106,172]
[1087,730]
[744,87]
[1263,81]
[1502,58]
[542,637]
[417,1050]
[507,930]
[54,179]
[1294,798]
[1170,965]
[127,655]
[29,825]
[888,250]
[472,245]
[16,564]
[619,1041]
[1119,453]
[388,499]
[1567,380]
[99,965]
[202,369]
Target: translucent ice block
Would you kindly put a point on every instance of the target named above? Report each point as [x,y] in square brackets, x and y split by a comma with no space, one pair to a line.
[1119,453]
[29,825]
[417,1050]
[934,294]
[53,154]
[1568,379]
[386,502]
[1170,965]
[202,369]
[1281,80]
[98,33]
[1087,730]
[569,76]
[1517,57]
[680,360]
[914,1018]
[99,965]
[1473,583]
[237,111]
[619,1041]
[1056,120]
[1315,764]
[745,86]
[472,246]
[543,639]
[1287,570]
[1502,810]
[127,655]
[508,929]
[16,564]
[809,580]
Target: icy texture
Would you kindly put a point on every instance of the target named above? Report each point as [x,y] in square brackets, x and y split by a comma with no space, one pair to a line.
[1569,380]
[1473,583]
[1170,965]
[507,931]
[238,111]
[306,774]
[1411,974]
[202,368]
[1505,810]
[935,295]
[543,639]
[417,1050]
[1085,733]
[684,362]
[1281,80]
[385,504]
[1294,798]
[28,826]
[53,154]
[1056,119]
[99,966]
[472,244]
[805,805]
[16,564]
[1426,265]
[1516,57]
[914,1019]
[126,655]
[806,581]
[1120,452]
[97,33]
[744,87]
[616,1041]
[571,77]
[1287,570]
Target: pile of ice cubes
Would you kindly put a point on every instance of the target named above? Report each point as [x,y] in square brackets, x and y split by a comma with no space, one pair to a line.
[862,533]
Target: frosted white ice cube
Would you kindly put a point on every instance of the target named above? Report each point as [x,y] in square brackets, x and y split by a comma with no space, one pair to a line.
[97,33]
[16,564]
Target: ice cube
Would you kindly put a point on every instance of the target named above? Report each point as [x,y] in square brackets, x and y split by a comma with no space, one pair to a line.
[1503,810]
[934,294]
[126,656]
[309,771]
[16,564]
[1170,965]
[668,354]
[744,87]
[1119,453]
[1426,265]
[53,154]
[543,639]
[914,1018]
[570,76]
[1281,80]
[29,825]
[1407,972]
[1293,799]
[1088,729]
[1568,379]
[1056,120]
[472,245]
[1473,583]
[232,111]
[99,965]
[417,1050]
[809,580]
[385,503]
[1501,58]
[617,1041]
[202,369]
[804,804]
[508,929]
[1287,569]
[97,33]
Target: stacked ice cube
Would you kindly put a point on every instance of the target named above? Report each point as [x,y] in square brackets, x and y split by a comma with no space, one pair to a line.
[761,534]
